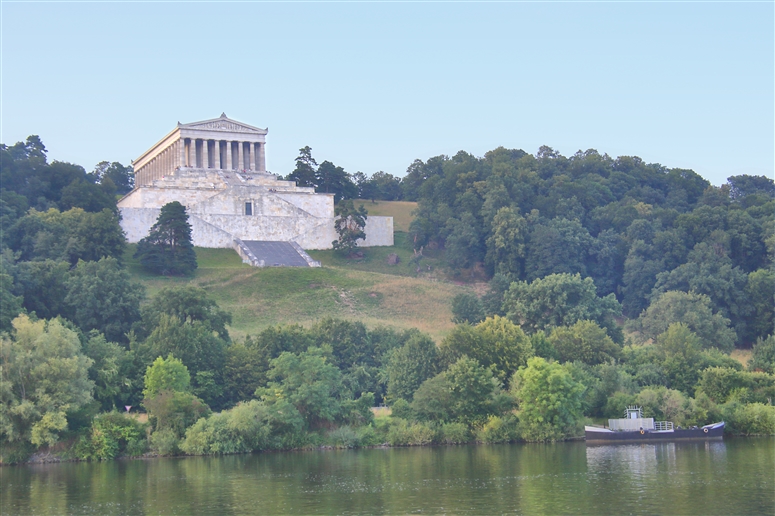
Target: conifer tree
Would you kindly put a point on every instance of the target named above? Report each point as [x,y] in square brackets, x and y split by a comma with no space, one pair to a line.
[168,249]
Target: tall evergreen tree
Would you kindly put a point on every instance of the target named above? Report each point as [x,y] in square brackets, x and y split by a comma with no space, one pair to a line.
[168,248]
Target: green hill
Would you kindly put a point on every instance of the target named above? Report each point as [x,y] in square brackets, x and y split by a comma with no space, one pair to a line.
[365,289]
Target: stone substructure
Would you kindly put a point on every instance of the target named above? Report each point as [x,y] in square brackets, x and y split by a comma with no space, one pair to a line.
[232,198]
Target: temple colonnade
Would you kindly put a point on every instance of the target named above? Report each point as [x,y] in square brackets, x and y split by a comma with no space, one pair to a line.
[204,153]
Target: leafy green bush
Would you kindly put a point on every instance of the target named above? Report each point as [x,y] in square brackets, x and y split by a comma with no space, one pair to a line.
[165,442]
[550,401]
[344,437]
[403,433]
[722,384]
[467,308]
[16,452]
[401,409]
[499,429]
[763,358]
[616,403]
[244,428]
[455,433]
[368,436]
[112,434]
[751,419]
[175,410]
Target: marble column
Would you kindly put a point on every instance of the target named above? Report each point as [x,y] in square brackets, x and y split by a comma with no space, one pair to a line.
[261,157]
[241,155]
[217,154]
[252,156]
[192,153]
[205,154]
[228,155]
[181,153]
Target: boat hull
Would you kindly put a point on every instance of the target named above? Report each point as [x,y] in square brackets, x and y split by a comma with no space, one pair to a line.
[596,435]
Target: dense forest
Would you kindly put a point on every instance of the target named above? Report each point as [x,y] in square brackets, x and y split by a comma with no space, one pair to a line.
[610,282]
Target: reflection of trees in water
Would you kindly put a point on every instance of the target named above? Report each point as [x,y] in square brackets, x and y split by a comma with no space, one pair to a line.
[719,477]
[622,459]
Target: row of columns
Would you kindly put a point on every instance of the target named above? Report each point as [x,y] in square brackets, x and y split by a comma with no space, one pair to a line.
[198,153]
[220,154]
[164,163]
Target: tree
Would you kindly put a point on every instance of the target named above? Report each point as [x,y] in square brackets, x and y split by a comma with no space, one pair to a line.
[10,305]
[349,226]
[410,365]
[550,401]
[585,342]
[709,271]
[744,185]
[43,286]
[196,345]
[122,177]
[175,410]
[167,397]
[664,404]
[693,310]
[433,400]
[558,246]
[473,388]
[305,173]
[463,244]
[112,371]
[380,186]
[168,249]
[464,392]
[44,376]
[166,374]
[309,382]
[763,356]
[506,245]
[467,308]
[102,297]
[333,179]
[67,236]
[186,303]
[560,300]
[759,293]
[495,343]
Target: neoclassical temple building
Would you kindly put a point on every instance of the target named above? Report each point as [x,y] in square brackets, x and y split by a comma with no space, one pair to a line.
[217,169]
[220,144]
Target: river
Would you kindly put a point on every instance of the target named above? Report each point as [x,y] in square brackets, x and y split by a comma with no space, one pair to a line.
[734,476]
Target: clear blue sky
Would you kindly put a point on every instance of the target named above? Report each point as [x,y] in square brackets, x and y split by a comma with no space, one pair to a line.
[373,86]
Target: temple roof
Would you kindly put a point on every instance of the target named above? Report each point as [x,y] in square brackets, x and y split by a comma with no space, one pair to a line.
[225,124]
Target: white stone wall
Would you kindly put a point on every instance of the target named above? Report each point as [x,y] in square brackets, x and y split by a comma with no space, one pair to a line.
[204,234]
[149,197]
[379,232]
[137,222]
[216,200]
[220,230]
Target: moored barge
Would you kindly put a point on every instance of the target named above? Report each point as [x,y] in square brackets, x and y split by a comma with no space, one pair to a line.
[635,428]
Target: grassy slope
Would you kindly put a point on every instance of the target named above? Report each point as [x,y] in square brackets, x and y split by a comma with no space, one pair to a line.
[367,290]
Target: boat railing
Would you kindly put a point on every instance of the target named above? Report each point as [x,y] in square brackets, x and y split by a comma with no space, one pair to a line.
[663,426]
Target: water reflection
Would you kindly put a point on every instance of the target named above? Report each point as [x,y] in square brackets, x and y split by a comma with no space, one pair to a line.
[733,477]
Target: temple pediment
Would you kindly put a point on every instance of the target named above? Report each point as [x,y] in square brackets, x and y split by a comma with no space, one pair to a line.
[225,124]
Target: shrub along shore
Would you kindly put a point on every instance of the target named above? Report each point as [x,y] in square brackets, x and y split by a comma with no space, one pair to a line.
[299,388]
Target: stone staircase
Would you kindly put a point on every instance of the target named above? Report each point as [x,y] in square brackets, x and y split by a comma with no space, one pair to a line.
[262,253]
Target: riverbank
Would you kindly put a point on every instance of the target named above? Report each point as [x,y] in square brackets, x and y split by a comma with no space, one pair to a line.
[50,457]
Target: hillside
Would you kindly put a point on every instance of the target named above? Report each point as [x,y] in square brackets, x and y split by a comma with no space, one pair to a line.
[367,289]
